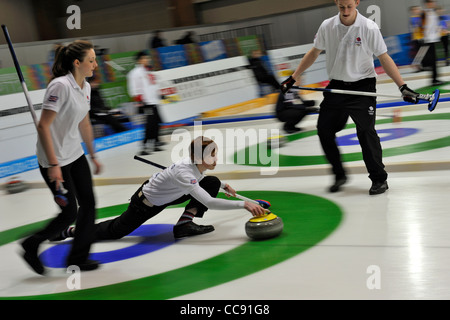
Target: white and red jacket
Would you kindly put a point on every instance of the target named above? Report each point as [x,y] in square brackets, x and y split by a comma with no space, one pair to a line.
[143,86]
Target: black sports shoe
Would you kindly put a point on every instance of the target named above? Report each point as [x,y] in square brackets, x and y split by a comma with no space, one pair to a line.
[144,152]
[87,265]
[338,184]
[190,229]
[378,187]
[31,256]
[292,130]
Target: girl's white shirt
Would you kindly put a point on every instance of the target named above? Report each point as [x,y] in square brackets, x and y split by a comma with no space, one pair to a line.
[71,104]
[182,178]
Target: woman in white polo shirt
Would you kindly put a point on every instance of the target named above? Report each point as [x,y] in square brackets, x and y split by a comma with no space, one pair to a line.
[182,181]
[350,41]
[63,125]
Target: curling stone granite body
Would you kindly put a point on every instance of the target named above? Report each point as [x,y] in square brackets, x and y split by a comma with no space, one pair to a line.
[15,186]
[265,227]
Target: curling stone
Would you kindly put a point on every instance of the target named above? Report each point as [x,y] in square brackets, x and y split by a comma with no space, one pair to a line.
[15,185]
[265,227]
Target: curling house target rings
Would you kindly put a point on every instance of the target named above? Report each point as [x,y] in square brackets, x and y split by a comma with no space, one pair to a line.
[293,160]
[308,219]
[385,135]
[55,256]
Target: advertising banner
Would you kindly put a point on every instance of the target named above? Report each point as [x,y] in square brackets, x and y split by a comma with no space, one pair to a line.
[213,50]
[172,57]
[116,66]
[194,89]
[285,61]
[193,53]
[247,44]
[10,81]
[39,75]
[399,48]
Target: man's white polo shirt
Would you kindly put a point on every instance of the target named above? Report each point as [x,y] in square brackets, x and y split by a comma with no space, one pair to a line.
[350,49]
[141,82]
[71,104]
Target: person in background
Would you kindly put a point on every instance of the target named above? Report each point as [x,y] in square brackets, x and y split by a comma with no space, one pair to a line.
[144,90]
[63,125]
[415,30]
[260,71]
[99,112]
[157,41]
[432,36]
[444,20]
[187,38]
[291,109]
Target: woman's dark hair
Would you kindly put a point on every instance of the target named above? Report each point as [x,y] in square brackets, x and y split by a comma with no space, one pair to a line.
[140,54]
[66,55]
[200,148]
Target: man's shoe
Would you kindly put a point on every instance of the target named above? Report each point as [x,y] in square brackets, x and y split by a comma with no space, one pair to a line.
[437,83]
[292,130]
[338,184]
[144,152]
[87,265]
[31,256]
[190,229]
[378,187]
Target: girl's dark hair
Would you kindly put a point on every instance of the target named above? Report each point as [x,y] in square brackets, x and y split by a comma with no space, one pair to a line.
[66,55]
[200,148]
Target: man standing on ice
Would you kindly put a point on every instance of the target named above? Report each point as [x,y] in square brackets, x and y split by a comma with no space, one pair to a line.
[350,41]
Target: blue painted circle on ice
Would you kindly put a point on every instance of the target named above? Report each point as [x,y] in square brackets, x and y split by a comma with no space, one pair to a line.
[154,237]
[385,135]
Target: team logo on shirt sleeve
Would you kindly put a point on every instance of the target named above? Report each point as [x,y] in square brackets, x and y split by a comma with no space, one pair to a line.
[193,181]
[53,98]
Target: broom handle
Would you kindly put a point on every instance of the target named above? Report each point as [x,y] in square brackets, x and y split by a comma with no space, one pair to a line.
[244,198]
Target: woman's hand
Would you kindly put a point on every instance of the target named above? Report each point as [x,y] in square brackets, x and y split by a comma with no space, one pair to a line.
[98,166]
[255,209]
[55,175]
[229,190]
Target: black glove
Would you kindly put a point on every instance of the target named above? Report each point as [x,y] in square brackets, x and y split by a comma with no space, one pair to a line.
[287,84]
[408,95]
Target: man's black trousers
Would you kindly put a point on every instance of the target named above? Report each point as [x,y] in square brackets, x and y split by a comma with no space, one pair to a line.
[334,113]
